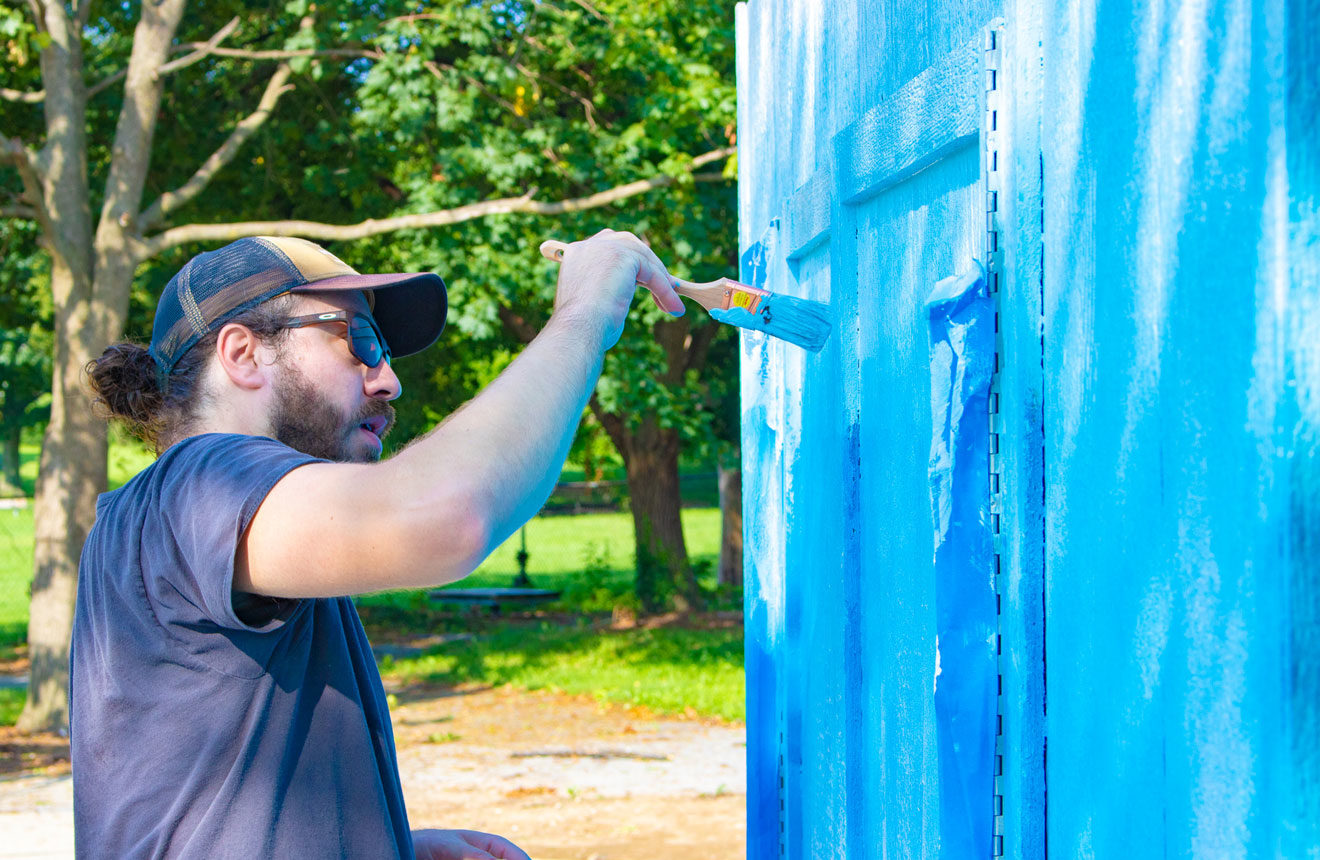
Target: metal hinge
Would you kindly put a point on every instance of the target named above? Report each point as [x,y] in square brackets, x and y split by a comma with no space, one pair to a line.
[991,170]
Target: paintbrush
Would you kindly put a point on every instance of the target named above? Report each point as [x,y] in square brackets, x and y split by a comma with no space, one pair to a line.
[798,321]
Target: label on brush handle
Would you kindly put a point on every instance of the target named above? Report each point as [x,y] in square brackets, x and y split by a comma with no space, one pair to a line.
[742,299]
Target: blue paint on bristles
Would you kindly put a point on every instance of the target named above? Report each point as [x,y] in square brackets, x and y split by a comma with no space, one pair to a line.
[803,322]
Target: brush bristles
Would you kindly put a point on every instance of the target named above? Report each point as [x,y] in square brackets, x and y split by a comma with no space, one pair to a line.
[798,321]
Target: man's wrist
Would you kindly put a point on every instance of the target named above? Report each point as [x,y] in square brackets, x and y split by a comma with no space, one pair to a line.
[585,328]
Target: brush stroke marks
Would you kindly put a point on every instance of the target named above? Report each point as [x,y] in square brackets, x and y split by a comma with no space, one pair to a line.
[962,356]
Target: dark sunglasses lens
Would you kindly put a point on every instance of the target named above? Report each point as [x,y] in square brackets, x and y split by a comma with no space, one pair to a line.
[367,343]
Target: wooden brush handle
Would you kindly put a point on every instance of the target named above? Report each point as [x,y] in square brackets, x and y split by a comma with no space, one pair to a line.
[713,296]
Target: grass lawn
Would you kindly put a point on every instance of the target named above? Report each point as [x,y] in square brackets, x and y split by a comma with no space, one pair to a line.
[668,670]
[588,557]
[15,574]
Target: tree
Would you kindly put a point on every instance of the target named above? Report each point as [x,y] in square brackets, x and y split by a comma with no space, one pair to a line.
[565,99]
[81,138]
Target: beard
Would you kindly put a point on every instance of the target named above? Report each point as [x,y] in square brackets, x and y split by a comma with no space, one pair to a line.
[303,420]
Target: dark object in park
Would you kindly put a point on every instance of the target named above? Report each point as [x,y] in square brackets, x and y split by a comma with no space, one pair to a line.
[494,598]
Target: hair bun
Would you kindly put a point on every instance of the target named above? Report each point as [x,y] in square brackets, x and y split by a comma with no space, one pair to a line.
[124,379]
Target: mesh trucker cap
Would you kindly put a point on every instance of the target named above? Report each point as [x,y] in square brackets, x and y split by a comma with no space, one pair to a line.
[216,286]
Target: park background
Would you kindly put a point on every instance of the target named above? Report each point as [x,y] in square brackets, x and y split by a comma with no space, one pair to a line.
[452,137]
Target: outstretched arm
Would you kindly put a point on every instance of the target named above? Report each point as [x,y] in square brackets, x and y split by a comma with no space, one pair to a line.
[430,514]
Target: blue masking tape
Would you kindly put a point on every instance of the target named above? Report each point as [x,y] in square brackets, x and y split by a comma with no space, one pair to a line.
[962,345]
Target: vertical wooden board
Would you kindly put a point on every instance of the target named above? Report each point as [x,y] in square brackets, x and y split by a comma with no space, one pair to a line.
[1302,104]
[1017,207]
[761,446]
[818,593]
[900,38]
[1165,619]
[906,239]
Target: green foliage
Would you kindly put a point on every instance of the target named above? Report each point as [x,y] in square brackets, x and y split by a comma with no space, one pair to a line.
[444,105]
[666,670]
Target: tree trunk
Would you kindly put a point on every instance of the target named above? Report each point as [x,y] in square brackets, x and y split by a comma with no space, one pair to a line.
[651,457]
[72,472]
[731,534]
[10,483]
[90,281]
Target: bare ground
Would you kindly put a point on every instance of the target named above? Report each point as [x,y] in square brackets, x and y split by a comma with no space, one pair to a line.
[564,777]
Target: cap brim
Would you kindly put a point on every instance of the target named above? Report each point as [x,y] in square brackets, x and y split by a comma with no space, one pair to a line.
[410,309]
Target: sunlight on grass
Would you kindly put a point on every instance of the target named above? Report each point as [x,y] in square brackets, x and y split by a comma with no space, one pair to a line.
[15,573]
[669,671]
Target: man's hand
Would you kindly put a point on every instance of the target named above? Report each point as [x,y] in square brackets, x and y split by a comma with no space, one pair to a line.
[599,276]
[464,845]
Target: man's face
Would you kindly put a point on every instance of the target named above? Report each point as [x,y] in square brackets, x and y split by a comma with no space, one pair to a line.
[326,403]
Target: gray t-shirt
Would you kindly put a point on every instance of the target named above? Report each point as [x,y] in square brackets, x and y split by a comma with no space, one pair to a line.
[195,734]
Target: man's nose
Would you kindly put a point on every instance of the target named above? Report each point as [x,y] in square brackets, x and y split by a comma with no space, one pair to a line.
[382,383]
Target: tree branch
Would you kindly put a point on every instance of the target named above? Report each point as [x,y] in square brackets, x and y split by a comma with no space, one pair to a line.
[587,106]
[27,213]
[372,227]
[38,16]
[435,69]
[243,54]
[517,324]
[172,200]
[26,162]
[200,51]
[20,96]
[83,11]
[697,346]
[203,49]
[614,427]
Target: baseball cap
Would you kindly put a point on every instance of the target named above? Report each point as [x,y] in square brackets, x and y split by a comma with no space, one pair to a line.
[216,286]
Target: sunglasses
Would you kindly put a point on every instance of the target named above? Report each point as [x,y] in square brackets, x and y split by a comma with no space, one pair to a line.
[364,339]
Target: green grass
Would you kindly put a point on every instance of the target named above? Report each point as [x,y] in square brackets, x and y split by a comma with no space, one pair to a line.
[589,558]
[15,574]
[127,458]
[11,704]
[667,670]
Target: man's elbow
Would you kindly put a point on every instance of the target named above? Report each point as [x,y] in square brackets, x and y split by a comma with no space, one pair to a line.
[454,550]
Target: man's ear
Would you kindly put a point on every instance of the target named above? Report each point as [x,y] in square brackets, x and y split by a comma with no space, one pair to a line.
[239,352]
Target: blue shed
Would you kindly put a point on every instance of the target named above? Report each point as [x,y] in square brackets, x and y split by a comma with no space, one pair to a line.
[1033,545]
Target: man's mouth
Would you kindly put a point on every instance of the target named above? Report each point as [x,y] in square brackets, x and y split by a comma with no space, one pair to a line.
[376,425]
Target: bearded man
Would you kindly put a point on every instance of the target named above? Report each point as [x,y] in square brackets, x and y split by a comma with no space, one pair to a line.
[224,697]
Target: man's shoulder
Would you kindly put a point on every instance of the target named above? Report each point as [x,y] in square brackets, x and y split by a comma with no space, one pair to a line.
[231,454]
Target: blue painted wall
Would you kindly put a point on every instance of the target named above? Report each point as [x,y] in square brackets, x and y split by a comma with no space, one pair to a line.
[1138,180]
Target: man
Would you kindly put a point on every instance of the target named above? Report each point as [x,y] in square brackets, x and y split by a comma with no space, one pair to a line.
[225,702]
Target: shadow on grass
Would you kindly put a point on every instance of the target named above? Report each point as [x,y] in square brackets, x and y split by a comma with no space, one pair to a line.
[510,651]
[12,635]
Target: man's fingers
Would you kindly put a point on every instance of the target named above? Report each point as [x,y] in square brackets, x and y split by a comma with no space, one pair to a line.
[495,846]
[652,275]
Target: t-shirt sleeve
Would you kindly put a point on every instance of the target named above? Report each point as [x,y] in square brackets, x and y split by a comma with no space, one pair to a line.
[207,497]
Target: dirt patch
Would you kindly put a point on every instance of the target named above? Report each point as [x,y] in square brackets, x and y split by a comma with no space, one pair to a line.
[564,777]
[45,754]
[567,777]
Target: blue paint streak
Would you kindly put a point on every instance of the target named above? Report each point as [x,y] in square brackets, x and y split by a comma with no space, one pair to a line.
[961,362]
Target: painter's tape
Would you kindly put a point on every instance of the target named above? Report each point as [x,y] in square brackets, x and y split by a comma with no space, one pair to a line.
[962,354]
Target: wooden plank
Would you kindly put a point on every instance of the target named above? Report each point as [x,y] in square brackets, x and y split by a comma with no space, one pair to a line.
[930,117]
[808,221]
